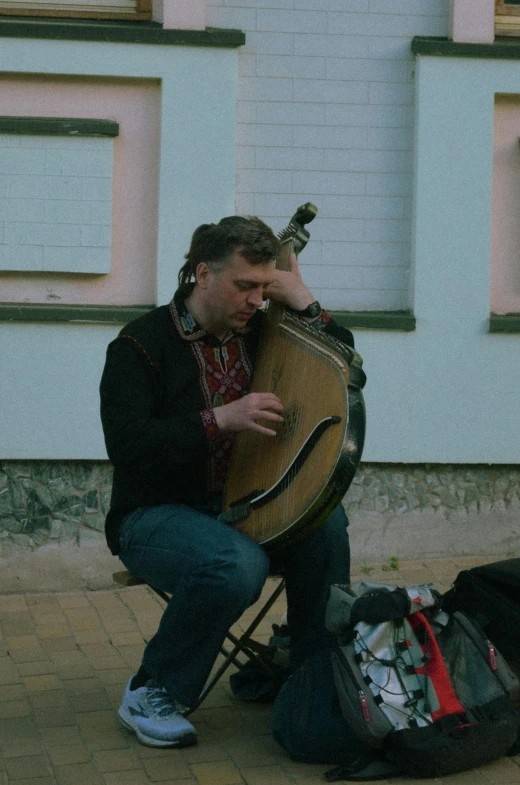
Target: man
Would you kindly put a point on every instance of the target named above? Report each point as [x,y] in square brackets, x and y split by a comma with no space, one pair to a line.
[173,393]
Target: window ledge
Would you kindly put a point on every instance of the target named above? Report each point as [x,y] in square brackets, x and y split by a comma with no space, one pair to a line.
[118,32]
[57,126]
[30,312]
[505,49]
[376,320]
[504,323]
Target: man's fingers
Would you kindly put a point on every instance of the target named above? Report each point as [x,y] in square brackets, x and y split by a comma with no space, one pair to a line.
[246,413]
[264,431]
[266,397]
[267,415]
[268,401]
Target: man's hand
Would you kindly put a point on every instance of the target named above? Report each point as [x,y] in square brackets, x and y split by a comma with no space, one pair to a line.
[288,288]
[242,415]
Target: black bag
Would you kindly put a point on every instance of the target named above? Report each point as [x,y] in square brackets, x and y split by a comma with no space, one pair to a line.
[426,689]
[490,594]
[307,720]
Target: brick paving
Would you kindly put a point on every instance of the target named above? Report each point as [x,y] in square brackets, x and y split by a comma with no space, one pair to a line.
[64,661]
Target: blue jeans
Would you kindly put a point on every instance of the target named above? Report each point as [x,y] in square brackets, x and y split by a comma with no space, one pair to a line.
[214,573]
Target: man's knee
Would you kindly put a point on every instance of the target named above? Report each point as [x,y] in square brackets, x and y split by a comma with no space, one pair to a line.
[239,574]
[249,576]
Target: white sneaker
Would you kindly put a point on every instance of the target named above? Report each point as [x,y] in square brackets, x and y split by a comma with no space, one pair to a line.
[154,717]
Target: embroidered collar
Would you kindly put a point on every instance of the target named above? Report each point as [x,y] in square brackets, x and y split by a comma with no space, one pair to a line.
[186,325]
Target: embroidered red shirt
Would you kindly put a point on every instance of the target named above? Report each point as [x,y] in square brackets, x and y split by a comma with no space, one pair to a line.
[225,376]
[226,379]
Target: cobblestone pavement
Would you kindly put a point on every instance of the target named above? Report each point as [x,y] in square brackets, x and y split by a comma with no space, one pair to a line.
[65,658]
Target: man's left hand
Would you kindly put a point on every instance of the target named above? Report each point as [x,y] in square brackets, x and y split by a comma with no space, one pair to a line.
[288,288]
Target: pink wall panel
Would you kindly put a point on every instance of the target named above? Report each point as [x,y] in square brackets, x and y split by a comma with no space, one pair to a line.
[505,245]
[180,14]
[472,21]
[135,105]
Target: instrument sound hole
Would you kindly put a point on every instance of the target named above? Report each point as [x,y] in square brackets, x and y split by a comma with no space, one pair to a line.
[291,417]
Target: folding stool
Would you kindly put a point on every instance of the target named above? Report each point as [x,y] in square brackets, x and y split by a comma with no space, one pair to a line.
[244,644]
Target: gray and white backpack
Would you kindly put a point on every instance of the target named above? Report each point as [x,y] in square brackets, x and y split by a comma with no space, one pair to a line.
[424,688]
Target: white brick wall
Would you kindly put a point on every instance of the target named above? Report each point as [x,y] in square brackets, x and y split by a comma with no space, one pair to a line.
[55,203]
[325,115]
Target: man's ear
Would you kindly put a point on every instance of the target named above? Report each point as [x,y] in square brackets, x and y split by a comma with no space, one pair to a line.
[202,274]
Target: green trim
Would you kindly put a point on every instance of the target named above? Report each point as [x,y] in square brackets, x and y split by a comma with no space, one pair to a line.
[376,320]
[118,32]
[29,312]
[504,323]
[121,314]
[502,48]
[58,126]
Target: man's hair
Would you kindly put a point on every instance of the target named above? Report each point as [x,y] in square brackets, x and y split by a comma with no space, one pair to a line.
[214,244]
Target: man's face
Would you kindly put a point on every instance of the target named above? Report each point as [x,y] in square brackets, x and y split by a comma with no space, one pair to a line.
[233,295]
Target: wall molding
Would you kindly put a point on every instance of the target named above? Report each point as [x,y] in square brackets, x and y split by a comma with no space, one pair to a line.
[504,323]
[376,320]
[442,47]
[121,314]
[121,32]
[111,314]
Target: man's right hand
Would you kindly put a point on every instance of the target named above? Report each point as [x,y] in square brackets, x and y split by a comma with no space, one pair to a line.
[242,415]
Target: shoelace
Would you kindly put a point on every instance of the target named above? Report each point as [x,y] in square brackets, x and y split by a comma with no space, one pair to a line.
[160,701]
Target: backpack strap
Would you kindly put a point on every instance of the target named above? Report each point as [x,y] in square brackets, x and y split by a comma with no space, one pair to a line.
[368,768]
[435,668]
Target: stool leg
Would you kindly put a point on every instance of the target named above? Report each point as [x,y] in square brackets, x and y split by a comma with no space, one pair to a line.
[160,592]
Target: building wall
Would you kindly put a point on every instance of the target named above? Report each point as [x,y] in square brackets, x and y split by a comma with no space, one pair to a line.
[325,114]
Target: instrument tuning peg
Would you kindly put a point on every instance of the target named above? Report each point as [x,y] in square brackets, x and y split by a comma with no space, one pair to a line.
[305,214]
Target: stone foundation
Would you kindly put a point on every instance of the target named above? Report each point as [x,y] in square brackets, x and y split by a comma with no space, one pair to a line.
[434,512]
[52,526]
[52,518]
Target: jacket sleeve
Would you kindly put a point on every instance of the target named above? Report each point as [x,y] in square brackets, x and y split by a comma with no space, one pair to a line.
[339,332]
[357,376]
[135,431]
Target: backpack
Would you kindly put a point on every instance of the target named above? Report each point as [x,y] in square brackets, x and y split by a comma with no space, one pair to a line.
[307,720]
[490,594]
[426,690]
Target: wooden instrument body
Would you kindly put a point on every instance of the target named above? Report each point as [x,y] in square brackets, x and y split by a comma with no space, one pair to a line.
[280,488]
[310,374]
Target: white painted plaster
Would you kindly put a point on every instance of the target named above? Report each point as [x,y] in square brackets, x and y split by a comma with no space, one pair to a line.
[448,392]
[49,390]
[65,232]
